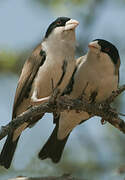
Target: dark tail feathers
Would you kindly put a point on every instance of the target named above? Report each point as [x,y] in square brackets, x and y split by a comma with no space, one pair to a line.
[8,150]
[9,147]
[53,148]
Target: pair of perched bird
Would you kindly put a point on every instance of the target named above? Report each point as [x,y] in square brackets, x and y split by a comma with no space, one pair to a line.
[52,65]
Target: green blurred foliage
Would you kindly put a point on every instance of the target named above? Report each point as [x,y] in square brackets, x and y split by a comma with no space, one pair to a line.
[7,60]
[74,2]
[13,62]
[60,2]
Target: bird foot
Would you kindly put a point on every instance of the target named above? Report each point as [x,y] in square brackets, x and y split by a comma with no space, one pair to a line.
[103,121]
[41,100]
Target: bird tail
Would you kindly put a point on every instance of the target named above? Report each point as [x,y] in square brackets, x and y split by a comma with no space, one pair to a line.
[53,148]
[8,150]
[10,145]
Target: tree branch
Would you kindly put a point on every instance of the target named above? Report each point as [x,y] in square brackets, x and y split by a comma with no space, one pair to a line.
[63,177]
[104,110]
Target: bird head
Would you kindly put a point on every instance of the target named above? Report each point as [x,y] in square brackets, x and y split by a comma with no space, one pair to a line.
[103,47]
[62,27]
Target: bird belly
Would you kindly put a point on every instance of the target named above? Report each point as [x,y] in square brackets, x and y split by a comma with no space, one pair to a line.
[106,87]
[101,86]
[69,120]
[51,76]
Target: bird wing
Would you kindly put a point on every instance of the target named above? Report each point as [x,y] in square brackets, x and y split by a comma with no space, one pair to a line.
[81,60]
[27,76]
[117,68]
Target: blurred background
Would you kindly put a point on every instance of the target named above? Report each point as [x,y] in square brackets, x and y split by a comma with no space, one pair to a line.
[93,151]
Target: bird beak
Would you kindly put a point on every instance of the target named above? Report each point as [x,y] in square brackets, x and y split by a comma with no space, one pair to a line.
[94,45]
[71,24]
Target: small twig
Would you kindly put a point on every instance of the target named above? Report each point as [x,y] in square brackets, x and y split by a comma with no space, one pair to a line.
[63,177]
[121,114]
[115,94]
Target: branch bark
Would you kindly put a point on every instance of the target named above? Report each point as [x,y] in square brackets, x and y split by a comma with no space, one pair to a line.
[63,177]
[104,110]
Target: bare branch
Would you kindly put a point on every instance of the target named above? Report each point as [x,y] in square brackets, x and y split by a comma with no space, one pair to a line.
[63,177]
[59,104]
[115,94]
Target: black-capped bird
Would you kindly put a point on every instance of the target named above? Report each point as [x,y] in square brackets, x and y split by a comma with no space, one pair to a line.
[97,73]
[50,65]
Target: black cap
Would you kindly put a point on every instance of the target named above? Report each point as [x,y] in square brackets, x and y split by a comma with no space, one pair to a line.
[60,21]
[110,49]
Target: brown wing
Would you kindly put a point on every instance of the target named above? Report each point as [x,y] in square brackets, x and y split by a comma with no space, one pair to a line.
[117,68]
[80,60]
[27,76]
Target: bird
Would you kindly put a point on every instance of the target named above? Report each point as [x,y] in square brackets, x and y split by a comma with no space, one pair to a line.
[97,75]
[49,66]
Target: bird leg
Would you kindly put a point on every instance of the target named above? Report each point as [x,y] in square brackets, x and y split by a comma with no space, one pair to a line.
[41,99]
[36,100]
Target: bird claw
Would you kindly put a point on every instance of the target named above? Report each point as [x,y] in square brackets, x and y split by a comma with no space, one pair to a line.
[41,100]
[68,108]
[77,111]
[103,121]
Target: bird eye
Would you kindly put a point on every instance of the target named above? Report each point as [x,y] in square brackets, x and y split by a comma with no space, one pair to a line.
[107,49]
[58,23]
